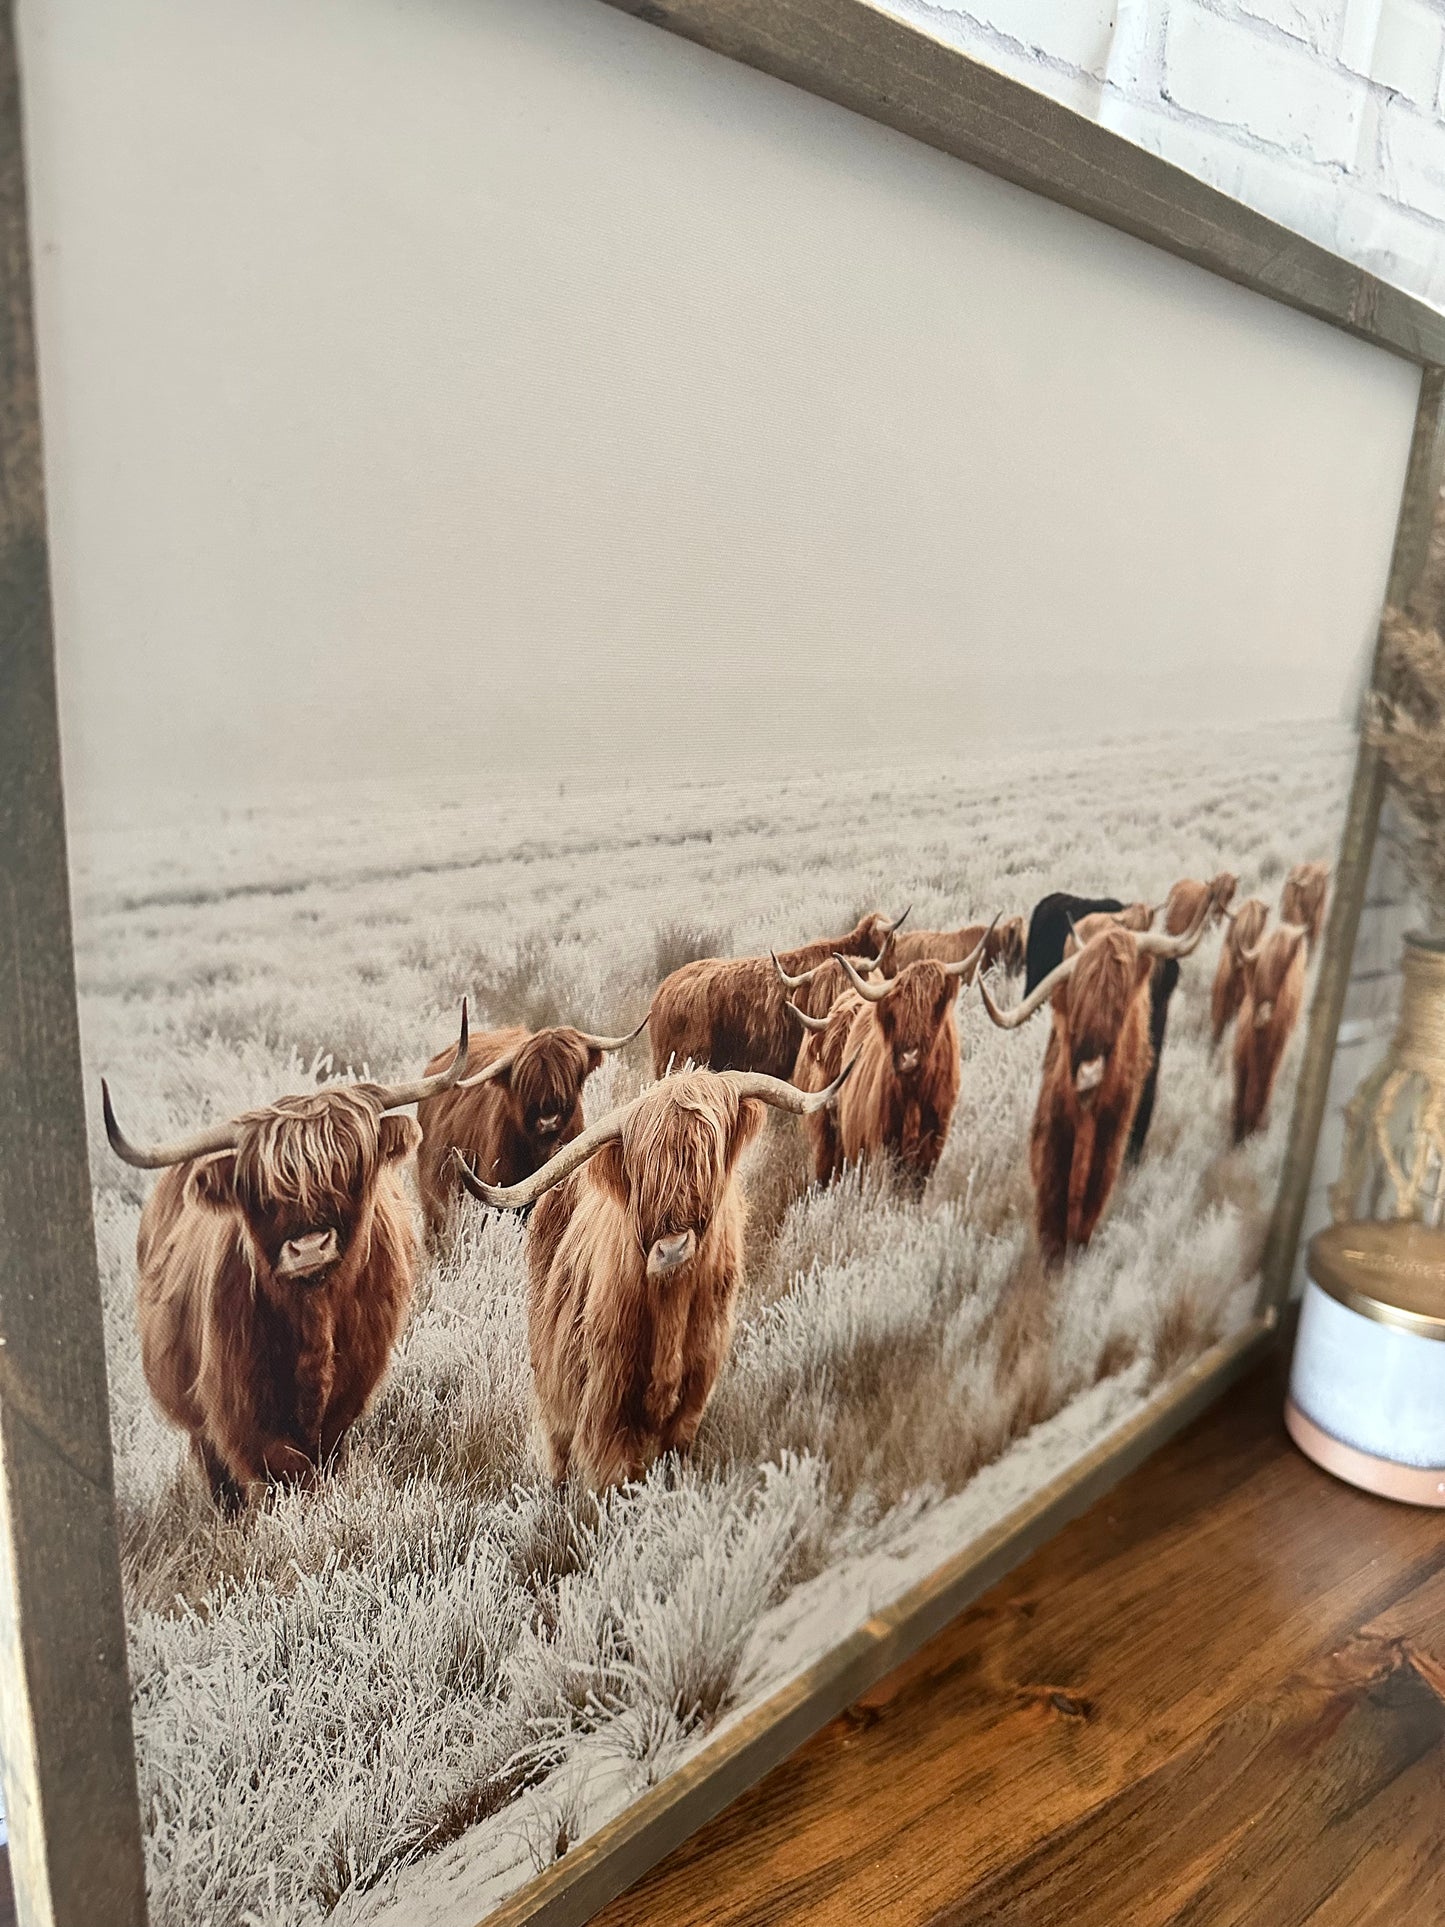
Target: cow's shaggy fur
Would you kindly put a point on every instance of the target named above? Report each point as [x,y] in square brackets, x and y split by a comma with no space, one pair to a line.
[625,1361]
[1003,943]
[1188,897]
[731,1013]
[1305,898]
[1274,988]
[507,1128]
[898,1102]
[1100,1028]
[1227,990]
[267,1372]
[1182,907]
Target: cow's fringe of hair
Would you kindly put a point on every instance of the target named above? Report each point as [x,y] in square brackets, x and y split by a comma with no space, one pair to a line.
[315,1151]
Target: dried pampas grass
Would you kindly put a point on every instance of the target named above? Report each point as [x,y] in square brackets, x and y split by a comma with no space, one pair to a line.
[1405,721]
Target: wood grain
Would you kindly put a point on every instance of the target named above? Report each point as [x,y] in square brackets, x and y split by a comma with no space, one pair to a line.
[1218,1697]
[69,1768]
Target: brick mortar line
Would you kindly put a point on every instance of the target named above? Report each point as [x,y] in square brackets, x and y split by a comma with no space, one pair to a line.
[1368,176]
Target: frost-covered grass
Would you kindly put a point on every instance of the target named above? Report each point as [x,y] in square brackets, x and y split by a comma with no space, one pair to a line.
[434,1647]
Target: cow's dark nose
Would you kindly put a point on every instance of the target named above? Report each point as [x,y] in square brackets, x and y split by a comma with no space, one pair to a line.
[312,1251]
[908,1061]
[549,1125]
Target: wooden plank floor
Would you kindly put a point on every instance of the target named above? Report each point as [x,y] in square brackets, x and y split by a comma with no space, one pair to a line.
[1216,1699]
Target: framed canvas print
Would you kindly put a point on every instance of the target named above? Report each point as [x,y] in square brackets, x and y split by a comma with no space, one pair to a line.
[711,830]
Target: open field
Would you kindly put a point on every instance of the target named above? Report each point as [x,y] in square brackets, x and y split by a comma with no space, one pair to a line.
[435,1654]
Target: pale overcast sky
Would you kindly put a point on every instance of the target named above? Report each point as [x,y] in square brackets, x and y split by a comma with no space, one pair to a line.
[497,384]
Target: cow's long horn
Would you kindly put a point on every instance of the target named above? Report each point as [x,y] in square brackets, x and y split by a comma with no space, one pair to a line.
[391,1097]
[815,1024]
[898,922]
[1295,930]
[489,1071]
[225,1137]
[967,967]
[612,1043]
[803,976]
[515,1197]
[875,993]
[784,1096]
[155,1157]
[1155,943]
[869,964]
[1037,997]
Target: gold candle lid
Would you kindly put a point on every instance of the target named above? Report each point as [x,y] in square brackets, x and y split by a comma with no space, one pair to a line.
[1391,1272]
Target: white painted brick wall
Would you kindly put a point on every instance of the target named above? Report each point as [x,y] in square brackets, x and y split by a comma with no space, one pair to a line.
[1327,115]
[1408,51]
[1245,84]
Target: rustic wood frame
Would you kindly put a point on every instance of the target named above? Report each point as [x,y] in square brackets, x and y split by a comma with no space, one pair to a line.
[68,1759]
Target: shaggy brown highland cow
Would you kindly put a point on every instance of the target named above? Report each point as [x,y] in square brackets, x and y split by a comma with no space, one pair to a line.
[1003,942]
[1186,903]
[635,1255]
[1189,897]
[821,1056]
[1246,927]
[275,1262]
[1096,1067]
[1274,989]
[1305,898]
[903,1037]
[730,1013]
[520,1100]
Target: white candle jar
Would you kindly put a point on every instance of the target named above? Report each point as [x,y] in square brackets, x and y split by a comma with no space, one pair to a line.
[1367,1386]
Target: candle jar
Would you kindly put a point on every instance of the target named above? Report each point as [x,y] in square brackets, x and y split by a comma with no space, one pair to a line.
[1367,1385]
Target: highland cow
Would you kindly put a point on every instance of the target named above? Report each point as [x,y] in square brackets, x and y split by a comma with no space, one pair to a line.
[1274,988]
[1052,923]
[1190,896]
[520,1100]
[275,1260]
[635,1255]
[1003,942]
[821,1056]
[902,1036]
[1246,927]
[1051,928]
[1304,899]
[1095,1069]
[1187,902]
[731,1013]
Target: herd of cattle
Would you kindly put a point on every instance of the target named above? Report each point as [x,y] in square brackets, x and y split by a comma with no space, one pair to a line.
[277,1251]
